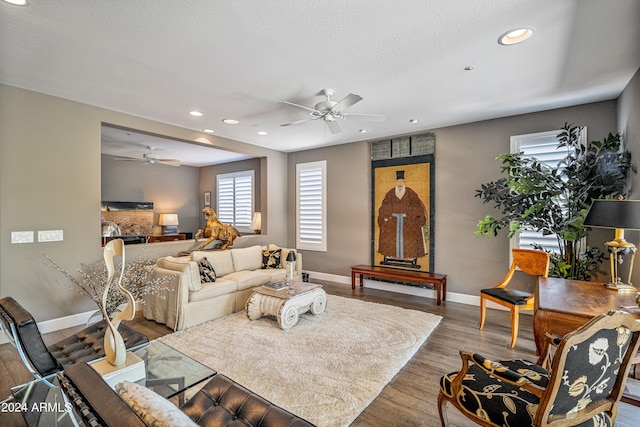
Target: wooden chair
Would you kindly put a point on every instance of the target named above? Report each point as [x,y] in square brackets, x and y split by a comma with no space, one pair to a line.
[583,387]
[532,262]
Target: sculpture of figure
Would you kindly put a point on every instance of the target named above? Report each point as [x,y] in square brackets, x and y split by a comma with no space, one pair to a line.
[400,218]
[215,230]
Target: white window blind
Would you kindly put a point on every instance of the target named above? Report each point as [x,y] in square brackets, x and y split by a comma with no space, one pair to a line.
[311,206]
[542,146]
[235,199]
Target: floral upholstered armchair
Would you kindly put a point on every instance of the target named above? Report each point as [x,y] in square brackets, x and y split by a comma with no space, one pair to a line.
[582,387]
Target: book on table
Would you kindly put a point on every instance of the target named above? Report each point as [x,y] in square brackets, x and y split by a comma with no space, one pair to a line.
[276,286]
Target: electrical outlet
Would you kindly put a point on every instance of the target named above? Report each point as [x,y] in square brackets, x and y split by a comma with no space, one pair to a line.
[21,237]
[50,236]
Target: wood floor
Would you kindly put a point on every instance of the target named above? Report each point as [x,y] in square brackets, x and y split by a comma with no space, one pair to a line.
[410,398]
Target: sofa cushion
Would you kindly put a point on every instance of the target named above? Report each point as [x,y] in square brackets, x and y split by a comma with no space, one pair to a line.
[207,272]
[249,279]
[271,259]
[220,260]
[247,258]
[185,265]
[285,253]
[210,290]
[154,409]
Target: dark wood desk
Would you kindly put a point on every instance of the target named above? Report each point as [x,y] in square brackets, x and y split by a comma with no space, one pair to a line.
[562,305]
[439,281]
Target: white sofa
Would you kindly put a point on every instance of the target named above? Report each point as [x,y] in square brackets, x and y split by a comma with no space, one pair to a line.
[187,301]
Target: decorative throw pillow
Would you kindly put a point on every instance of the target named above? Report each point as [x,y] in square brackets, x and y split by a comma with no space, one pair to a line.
[154,409]
[271,259]
[207,272]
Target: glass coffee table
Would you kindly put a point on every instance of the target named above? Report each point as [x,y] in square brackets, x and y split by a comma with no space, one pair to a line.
[168,372]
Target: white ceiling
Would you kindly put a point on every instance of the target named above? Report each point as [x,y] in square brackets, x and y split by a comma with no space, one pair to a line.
[160,59]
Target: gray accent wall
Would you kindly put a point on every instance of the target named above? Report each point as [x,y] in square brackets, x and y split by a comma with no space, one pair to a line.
[465,158]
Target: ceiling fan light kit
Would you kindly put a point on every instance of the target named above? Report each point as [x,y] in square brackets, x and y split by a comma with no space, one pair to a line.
[329,111]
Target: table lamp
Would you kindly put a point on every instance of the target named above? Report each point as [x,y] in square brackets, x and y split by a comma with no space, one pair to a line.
[291,260]
[620,215]
[169,223]
[256,222]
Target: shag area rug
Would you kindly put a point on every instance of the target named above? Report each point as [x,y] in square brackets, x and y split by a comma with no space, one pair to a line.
[327,369]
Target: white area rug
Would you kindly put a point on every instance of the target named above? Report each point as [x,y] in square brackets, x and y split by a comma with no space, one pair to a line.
[326,369]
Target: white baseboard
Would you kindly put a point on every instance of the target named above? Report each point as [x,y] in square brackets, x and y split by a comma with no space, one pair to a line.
[65,322]
[408,290]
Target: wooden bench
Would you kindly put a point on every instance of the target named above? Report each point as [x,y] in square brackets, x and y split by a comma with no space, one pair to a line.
[437,280]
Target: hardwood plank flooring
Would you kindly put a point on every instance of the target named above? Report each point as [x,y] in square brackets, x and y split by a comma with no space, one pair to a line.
[410,398]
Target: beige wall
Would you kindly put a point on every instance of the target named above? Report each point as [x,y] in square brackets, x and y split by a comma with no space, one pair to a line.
[465,158]
[50,172]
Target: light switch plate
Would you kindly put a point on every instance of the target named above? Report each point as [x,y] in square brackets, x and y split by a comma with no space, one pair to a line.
[50,236]
[21,237]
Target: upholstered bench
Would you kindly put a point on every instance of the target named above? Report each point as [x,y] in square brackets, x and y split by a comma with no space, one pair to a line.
[220,402]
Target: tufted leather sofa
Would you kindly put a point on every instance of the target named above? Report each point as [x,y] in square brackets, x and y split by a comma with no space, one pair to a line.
[83,346]
[220,402]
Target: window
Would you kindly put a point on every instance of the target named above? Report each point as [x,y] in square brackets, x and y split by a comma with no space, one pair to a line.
[311,232]
[544,147]
[235,199]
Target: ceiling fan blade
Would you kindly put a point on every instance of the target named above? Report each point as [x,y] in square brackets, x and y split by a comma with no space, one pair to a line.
[333,126]
[170,162]
[346,102]
[297,122]
[302,107]
[365,117]
[129,159]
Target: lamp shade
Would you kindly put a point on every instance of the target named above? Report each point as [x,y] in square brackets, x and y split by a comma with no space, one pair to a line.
[291,256]
[168,219]
[623,214]
[256,222]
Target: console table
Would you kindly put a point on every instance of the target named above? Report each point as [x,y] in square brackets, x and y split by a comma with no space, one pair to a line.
[439,281]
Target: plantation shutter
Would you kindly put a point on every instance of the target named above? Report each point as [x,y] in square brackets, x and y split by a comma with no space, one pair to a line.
[542,146]
[311,210]
[235,199]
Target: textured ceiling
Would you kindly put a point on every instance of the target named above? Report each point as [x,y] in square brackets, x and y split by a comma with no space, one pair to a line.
[159,59]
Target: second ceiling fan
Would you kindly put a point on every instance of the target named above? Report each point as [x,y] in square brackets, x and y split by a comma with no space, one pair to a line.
[330,111]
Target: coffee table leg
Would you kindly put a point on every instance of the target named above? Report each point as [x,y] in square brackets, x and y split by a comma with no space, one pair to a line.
[288,317]
[319,303]
[254,312]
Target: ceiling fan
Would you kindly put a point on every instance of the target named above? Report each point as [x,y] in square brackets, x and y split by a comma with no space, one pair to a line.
[329,111]
[151,158]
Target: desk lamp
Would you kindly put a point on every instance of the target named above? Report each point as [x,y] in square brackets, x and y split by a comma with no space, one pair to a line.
[620,215]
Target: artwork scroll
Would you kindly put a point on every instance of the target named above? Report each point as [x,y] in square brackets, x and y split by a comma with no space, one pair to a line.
[402,202]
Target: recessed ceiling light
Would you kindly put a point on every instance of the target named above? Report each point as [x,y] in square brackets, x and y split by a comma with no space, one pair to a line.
[18,2]
[414,121]
[515,36]
[208,130]
[363,130]
[469,68]
[230,121]
[261,132]
[195,113]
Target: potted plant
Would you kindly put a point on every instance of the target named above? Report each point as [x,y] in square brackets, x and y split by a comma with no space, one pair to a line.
[555,201]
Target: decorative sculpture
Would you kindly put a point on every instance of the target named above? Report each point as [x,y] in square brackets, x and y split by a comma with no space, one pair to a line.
[114,347]
[215,230]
